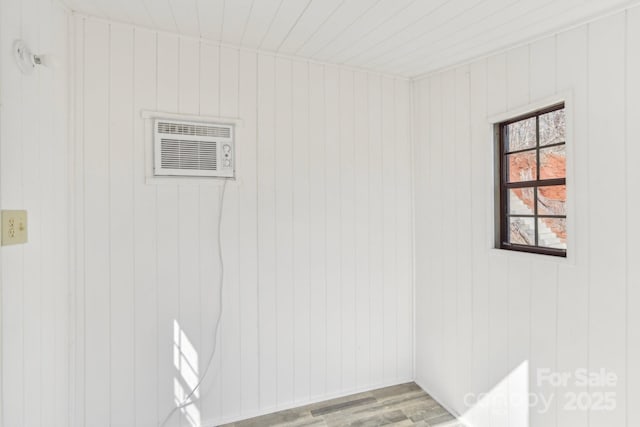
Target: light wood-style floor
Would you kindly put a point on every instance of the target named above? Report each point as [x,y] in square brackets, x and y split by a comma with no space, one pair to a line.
[401,405]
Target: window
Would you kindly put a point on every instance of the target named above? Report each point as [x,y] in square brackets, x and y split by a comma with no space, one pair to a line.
[532,183]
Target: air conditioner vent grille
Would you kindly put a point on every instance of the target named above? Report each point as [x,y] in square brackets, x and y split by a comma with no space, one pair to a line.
[191,148]
[188,155]
[194,130]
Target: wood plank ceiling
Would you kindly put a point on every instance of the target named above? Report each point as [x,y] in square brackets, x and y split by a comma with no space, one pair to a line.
[401,37]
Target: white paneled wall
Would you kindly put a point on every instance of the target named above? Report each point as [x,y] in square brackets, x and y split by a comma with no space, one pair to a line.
[316,233]
[482,312]
[316,236]
[34,279]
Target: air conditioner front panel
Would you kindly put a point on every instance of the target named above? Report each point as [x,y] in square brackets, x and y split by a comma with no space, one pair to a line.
[183,148]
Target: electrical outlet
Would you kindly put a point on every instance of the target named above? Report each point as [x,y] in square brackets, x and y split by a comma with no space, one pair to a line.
[14,227]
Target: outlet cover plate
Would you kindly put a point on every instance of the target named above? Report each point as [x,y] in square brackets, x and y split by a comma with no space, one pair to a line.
[14,227]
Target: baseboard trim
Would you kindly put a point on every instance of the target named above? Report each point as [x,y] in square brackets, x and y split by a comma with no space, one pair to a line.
[298,403]
[440,402]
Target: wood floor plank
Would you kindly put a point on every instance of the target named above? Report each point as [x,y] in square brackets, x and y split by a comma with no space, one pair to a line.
[399,405]
[344,406]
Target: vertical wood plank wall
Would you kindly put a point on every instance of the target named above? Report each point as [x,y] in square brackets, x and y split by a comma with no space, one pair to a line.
[34,277]
[506,309]
[316,233]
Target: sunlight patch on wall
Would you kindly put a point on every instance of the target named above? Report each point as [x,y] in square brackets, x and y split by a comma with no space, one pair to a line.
[507,403]
[185,360]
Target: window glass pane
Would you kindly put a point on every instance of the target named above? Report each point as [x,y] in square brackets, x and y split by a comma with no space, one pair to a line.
[522,231]
[521,201]
[553,162]
[551,200]
[552,233]
[534,154]
[521,135]
[552,127]
[521,166]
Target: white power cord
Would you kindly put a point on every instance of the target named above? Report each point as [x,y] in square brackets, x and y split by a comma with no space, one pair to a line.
[188,400]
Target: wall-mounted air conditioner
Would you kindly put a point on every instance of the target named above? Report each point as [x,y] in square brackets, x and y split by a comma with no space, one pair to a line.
[186,148]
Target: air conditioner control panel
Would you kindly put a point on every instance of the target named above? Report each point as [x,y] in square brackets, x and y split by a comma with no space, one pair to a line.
[227,156]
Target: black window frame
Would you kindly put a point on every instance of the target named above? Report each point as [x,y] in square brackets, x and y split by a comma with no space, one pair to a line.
[503,185]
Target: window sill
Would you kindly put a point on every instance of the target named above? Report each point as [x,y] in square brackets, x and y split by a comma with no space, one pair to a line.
[496,252]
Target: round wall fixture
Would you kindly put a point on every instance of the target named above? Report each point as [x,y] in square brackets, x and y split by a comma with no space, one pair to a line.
[25,59]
